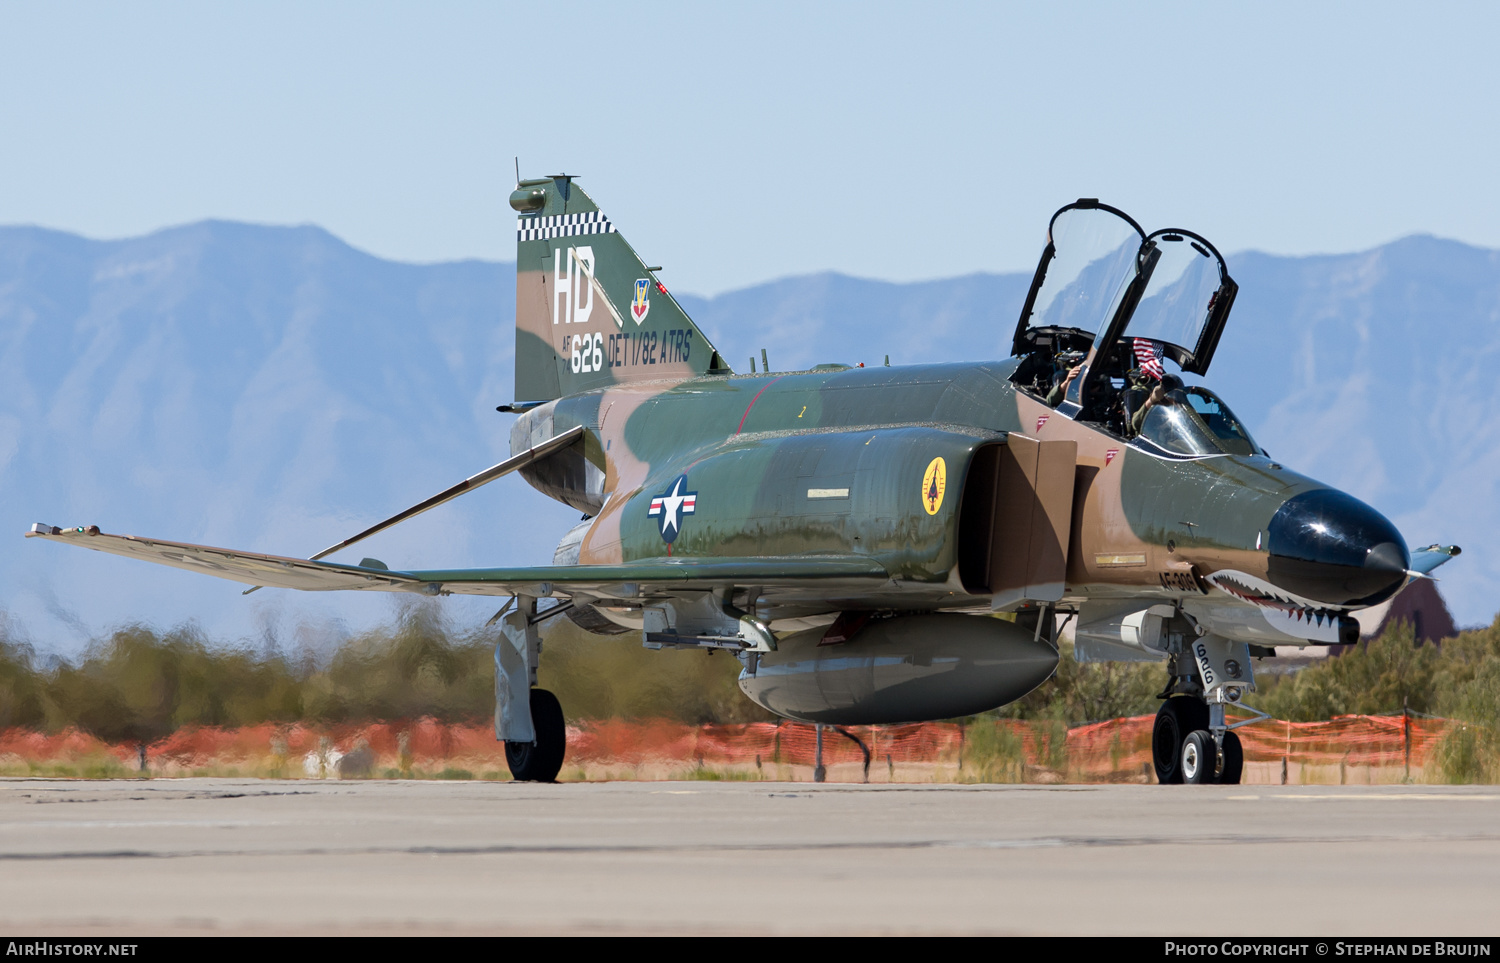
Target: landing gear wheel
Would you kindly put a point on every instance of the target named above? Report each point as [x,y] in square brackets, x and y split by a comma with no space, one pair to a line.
[1234,760]
[1200,758]
[542,760]
[1174,720]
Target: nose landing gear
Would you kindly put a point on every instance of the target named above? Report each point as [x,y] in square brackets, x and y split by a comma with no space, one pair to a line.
[1175,720]
[1201,761]
[1191,741]
[1187,748]
[1212,757]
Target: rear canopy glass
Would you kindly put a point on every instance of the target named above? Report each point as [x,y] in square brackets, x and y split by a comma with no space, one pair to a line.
[1185,301]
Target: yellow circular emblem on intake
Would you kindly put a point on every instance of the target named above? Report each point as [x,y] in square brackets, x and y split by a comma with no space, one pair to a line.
[934,483]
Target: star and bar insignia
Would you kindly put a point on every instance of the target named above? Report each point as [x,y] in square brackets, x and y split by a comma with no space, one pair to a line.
[669,507]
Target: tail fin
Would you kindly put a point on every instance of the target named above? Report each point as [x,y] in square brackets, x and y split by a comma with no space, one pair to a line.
[589,313]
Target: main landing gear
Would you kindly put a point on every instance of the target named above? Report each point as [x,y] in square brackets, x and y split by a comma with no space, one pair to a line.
[541,760]
[1191,742]
[527,719]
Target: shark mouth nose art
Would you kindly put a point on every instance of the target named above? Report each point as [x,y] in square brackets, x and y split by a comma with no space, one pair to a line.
[1292,616]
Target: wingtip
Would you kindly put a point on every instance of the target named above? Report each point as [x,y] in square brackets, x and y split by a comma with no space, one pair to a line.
[42,528]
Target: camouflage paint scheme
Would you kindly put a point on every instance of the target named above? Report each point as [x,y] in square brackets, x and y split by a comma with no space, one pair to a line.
[753,446]
[800,498]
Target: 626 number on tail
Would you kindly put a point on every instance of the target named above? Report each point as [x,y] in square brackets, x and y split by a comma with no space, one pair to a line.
[588,353]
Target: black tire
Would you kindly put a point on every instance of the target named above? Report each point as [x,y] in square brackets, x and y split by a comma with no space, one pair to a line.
[1174,720]
[1166,744]
[542,760]
[1200,758]
[1234,760]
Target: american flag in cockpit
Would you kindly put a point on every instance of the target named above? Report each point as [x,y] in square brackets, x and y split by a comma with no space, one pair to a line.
[1148,357]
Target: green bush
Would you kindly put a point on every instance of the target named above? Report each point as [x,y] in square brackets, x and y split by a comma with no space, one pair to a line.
[993,753]
[22,687]
[1468,687]
[139,684]
[136,685]
[1091,692]
[418,667]
[1376,678]
[1468,754]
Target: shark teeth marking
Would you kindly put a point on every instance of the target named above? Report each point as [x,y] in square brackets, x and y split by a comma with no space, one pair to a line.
[1288,614]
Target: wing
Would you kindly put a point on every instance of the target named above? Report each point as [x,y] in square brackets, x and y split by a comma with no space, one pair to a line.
[648,576]
[252,568]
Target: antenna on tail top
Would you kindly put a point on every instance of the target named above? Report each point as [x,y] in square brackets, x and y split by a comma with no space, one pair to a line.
[518,169]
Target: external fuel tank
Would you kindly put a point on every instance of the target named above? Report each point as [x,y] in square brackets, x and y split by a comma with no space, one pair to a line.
[908,668]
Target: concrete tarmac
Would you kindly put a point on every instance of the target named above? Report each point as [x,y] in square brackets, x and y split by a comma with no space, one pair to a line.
[245,856]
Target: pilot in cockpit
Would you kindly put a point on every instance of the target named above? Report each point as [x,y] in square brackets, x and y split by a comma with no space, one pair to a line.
[1060,390]
[1162,394]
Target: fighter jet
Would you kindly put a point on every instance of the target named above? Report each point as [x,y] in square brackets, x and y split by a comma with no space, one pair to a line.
[894,544]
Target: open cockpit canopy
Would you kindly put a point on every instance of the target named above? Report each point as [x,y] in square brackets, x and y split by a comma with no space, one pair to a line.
[1086,267]
[1114,303]
[1102,279]
[1185,299]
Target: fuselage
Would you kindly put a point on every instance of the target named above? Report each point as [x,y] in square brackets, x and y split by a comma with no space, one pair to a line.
[839,461]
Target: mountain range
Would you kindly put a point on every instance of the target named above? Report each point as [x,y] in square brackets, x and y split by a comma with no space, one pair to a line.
[274,389]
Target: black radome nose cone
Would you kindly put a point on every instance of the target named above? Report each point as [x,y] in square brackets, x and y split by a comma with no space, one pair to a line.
[1331,547]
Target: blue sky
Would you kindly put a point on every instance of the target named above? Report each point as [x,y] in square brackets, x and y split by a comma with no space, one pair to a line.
[738,143]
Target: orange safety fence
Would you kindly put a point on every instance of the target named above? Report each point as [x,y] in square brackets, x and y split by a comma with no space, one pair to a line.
[1379,742]
[1115,750]
[792,743]
[207,746]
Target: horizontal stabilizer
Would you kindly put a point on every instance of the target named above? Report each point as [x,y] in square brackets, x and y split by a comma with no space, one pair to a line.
[513,463]
[1424,560]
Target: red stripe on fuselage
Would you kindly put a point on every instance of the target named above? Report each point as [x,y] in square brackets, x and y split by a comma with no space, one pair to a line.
[754,400]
